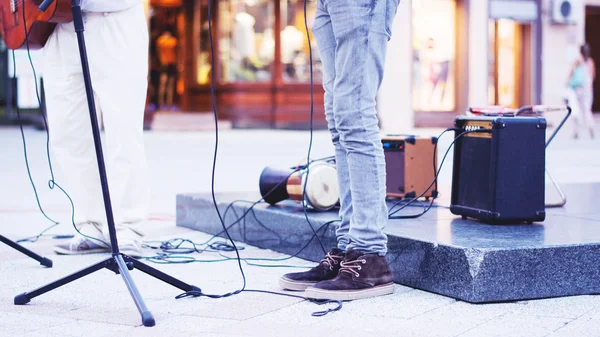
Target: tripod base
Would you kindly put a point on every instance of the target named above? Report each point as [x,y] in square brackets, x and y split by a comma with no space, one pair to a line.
[120,264]
[42,260]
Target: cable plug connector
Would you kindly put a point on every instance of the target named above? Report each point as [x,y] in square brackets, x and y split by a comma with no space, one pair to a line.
[192,293]
[325,312]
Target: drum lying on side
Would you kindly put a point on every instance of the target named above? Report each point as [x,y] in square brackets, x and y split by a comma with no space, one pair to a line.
[273,184]
[322,189]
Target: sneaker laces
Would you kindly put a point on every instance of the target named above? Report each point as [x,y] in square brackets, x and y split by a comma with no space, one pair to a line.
[352,266]
[331,260]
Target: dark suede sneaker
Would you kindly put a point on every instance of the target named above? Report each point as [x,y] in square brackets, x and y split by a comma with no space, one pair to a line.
[326,270]
[360,276]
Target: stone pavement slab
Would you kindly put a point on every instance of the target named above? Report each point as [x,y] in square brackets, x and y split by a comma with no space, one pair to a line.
[587,325]
[515,325]
[12,323]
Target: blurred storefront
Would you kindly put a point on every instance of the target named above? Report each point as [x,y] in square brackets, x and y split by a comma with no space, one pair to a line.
[462,53]
[261,60]
[444,56]
[447,55]
[438,29]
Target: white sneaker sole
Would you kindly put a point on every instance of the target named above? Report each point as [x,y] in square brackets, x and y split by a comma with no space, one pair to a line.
[130,252]
[62,251]
[349,295]
[289,284]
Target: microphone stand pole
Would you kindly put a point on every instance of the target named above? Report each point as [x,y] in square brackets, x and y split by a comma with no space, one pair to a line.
[118,262]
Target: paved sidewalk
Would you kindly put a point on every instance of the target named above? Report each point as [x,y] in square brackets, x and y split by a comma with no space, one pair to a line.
[99,305]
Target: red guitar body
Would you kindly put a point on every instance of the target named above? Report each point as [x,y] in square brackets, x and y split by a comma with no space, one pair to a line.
[18,26]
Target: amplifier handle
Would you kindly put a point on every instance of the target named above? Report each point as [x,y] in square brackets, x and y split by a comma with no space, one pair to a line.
[559,126]
[538,110]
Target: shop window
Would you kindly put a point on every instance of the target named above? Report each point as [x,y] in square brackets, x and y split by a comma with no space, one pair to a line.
[294,43]
[434,55]
[202,42]
[246,44]
[166,55]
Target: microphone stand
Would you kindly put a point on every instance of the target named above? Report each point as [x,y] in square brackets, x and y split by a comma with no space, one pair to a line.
[42,260]
[118,262]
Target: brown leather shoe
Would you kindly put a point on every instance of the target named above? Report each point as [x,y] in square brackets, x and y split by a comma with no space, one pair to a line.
[326,270]
[360,276]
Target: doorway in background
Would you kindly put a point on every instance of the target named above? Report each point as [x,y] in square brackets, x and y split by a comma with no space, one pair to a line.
[592,27]
[510,71]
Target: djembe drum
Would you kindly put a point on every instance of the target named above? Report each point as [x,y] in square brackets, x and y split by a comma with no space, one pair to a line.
[319,181]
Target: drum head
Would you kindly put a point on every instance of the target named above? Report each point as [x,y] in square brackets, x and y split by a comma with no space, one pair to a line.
[322,189]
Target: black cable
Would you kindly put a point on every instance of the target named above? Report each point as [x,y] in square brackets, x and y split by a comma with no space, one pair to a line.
[168,247]
[172,247]
[316,314]
[227,228]
[183,259]
[54,223]
[411,216]
[408,203]
[319,302]
[212,91]
[37,198]
[162,256]
[173,252]
[325,226]
[312,103]
[51,183]
[214,108]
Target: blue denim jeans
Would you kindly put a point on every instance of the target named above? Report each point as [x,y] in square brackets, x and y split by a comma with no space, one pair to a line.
[352,36]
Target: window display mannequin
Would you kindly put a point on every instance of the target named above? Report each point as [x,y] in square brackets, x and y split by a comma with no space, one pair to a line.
[243,49]
[291,46]
[244,35]
[291,43]
[267,46]
[166,46]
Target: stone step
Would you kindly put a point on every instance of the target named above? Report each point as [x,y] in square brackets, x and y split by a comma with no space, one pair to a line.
[438,252]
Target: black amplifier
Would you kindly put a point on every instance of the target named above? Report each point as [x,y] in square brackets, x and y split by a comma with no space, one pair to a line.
[499,174]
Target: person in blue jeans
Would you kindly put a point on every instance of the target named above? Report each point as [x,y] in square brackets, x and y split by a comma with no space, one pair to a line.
[352,36]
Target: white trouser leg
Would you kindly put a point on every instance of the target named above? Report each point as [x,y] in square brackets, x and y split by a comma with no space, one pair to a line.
[117,46]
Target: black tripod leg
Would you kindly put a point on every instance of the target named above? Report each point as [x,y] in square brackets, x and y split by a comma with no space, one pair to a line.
[44,261]
[26,297]
[160,275]
[147,318]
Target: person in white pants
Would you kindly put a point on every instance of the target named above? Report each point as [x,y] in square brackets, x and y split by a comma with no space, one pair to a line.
[117,41]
